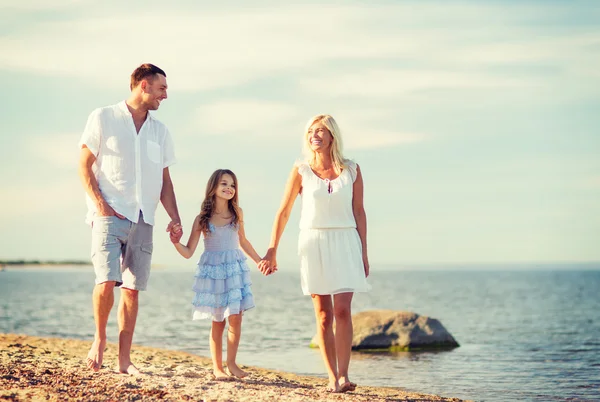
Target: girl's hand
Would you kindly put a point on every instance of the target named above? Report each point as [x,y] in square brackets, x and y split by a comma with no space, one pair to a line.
[269,262]
[264,267]
[175,231]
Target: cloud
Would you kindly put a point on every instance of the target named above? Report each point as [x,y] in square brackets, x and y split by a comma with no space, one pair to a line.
[397,82]
[54,150]
[220,48]
[366,139]
[35,5]
[263,118]
[363,128]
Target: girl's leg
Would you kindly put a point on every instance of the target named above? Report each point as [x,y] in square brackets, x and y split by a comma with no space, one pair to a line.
[324,316]
[233,341]
[216,349]
[343,338]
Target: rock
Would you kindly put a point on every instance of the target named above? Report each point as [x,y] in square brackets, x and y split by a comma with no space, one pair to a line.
[391,330]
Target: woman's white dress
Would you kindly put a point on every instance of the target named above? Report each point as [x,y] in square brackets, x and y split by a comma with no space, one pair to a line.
[329,246]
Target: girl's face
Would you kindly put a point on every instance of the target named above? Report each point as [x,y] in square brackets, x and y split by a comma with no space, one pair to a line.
[319,138]
[226,187]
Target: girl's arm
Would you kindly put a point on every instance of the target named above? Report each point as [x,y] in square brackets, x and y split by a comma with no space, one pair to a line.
[360,216]
[292,189]
[245,243]
[188,250]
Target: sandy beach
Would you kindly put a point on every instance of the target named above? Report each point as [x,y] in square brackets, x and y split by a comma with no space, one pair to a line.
[51,369]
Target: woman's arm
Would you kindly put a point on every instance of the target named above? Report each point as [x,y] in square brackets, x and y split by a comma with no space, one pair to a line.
[292,189]
[360,216]
[245,243]
[188,250]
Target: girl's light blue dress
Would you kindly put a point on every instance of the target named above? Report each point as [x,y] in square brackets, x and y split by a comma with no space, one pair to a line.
[222,280]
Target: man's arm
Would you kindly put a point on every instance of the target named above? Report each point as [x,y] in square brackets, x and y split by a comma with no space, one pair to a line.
[167,198]
[90,184]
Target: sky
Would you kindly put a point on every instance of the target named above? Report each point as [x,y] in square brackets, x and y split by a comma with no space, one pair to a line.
[476,124]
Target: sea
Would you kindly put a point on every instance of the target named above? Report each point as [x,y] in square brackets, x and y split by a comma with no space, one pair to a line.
[526,332]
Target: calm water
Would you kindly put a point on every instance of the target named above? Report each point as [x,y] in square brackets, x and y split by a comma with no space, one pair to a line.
[524,335]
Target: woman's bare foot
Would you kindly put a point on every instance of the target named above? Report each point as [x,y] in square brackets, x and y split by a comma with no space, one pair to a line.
[346,385]
[94,357]
[236,370]
[221,375]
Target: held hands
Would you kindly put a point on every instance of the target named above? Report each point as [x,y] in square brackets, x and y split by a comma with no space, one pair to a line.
[268,265]
[175,231]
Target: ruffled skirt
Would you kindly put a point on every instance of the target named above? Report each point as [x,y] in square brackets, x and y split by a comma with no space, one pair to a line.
[222,285]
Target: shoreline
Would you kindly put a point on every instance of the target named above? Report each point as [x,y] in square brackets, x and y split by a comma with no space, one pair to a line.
[52,369]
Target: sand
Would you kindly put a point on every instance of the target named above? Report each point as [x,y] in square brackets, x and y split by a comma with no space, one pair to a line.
[52,369]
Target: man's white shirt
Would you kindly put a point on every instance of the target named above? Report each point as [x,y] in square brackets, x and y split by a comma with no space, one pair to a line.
[129,165]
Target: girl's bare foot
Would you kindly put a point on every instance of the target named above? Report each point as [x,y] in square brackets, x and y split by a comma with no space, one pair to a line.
[236,371]
[94,357]
[333,387]
[221,375]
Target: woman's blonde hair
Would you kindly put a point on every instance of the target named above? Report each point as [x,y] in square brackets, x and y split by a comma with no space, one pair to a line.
[336,152]
[208,204]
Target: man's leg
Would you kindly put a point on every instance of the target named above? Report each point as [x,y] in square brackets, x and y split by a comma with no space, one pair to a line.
[136,272]
[107,233]
[128,310]
[103,299]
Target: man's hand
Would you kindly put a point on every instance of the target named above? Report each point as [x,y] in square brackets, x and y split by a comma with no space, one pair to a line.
[175,231]
[106,210]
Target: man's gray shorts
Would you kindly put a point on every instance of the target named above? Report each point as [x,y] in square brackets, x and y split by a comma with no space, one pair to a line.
[122,251]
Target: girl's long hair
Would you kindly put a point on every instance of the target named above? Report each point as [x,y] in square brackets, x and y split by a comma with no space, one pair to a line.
[208,205]
[336,150]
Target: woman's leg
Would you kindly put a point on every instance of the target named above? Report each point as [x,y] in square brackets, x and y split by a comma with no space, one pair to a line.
[216,349]
[324,316]
[233,341]
[343,337]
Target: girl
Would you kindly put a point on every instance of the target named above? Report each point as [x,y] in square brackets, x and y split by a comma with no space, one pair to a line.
[222,284]
[332,242]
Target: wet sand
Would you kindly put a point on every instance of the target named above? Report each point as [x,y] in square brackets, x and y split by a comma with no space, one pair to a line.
[52,369]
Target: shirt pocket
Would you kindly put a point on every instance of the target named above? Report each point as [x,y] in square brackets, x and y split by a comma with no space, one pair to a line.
[153,151]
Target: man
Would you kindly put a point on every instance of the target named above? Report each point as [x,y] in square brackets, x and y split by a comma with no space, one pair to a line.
[124,168]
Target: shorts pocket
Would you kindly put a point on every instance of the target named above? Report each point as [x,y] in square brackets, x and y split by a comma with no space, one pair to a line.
[147,247]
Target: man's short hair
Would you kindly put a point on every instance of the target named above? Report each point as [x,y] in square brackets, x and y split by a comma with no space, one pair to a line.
[146,71]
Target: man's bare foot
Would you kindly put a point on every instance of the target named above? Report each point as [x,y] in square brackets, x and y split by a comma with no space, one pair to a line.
[221,375]
[128,368]
[236,370]
[94,357]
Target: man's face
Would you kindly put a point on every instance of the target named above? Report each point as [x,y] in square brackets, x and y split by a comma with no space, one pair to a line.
[156,92]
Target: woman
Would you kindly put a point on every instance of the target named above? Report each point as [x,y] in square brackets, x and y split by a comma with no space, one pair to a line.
[332,243]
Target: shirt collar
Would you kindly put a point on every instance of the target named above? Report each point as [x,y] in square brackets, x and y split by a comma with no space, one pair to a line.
[123,106]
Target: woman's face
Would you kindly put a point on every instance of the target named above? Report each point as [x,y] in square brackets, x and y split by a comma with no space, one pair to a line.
[319,138]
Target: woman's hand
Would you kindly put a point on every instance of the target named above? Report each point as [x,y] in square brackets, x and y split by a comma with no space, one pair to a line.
[268,264]
[366,265]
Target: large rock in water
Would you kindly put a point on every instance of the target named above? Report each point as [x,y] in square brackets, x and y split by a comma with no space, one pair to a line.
[391,330]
